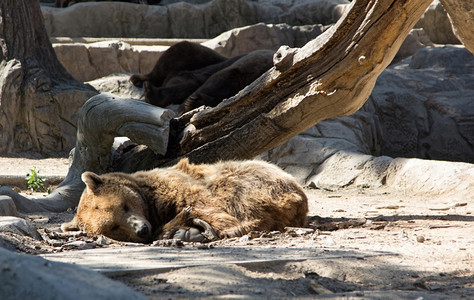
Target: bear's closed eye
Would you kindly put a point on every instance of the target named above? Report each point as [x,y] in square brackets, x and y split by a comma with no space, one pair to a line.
[125,208]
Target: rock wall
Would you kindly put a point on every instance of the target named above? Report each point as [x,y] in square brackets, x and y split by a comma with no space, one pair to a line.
[183,20]
[207,19]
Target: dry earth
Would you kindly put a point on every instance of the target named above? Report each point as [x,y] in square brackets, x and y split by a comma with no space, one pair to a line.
[377,244]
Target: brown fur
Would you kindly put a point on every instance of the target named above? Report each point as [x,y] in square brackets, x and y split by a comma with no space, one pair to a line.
[177,88]
[183,56]
[230,80]
[232,197]
[193,75]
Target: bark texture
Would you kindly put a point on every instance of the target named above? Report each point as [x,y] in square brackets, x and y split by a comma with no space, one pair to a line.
[330,76]
[39,100]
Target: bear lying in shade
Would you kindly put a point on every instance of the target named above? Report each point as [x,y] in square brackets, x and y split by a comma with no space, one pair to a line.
[190,202]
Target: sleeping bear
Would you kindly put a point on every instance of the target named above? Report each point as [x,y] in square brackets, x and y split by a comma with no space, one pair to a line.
[191,202]
[192,75]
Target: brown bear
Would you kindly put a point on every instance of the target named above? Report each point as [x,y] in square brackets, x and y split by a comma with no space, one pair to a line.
[182,56]
[177,88]
[229,81]
[192,202]
[193,75]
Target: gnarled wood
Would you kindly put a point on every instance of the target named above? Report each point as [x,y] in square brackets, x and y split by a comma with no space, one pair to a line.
[332,75]
[101,118]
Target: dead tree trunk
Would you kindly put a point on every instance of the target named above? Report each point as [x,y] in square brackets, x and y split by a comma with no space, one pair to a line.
[332,75]
[39,100]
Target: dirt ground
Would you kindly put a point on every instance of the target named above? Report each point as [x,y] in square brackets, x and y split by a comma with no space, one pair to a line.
[424,249]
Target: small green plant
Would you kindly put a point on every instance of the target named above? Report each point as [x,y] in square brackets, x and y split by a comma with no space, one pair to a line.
[34,181]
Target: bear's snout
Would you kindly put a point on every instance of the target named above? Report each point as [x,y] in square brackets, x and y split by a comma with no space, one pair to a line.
[142,231]
[140,226]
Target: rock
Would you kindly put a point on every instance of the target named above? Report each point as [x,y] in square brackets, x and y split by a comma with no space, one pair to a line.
[79,245]
[318,289]
[19,226]
[418,176]
[436,24]
[262,36]
[89,59]
[424,107]
[184,20]
[103,241]
[117,84]
[416,39]
[30,277]
[7,206]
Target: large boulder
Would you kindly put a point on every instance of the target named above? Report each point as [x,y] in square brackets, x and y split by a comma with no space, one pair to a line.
[263,36]
[30,277]
[90,60]
[117,84]
[18,226]
[435,22]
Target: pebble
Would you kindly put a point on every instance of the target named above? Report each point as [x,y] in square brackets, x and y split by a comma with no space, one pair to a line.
[102,241]
[244,238]
[205,246]
[254,234]
[81,245]
[318,289]
[420,239]
[168,243]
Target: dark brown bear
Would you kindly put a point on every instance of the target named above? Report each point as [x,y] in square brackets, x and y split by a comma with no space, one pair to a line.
[190,202]
[183,56]
[230,80]
[193,75]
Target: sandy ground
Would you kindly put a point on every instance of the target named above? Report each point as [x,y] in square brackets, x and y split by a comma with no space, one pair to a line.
[426,247]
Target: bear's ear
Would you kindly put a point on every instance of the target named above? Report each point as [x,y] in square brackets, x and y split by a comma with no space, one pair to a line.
[91,180]
[73,225]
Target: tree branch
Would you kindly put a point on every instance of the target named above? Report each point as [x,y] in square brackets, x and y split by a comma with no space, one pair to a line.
[332,75]
[101,118]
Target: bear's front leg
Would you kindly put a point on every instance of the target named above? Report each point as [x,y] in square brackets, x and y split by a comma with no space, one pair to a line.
[183,227]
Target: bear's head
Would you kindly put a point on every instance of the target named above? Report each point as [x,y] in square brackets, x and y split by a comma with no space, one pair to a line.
[112,205]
